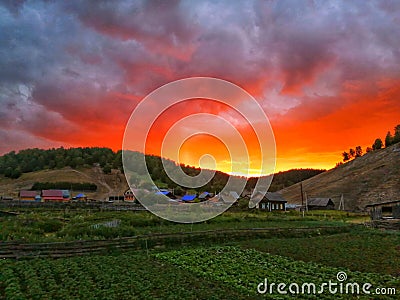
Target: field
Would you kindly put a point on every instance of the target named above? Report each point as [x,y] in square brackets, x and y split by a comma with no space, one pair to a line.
[214,262]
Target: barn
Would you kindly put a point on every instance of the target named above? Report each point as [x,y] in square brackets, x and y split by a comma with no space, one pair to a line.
[320,203]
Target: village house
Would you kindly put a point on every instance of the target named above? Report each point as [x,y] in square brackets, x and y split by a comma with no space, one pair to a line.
[129,196]
[81,197]
[269,201]
[167,193]
[29,196]
[189,198]
[53,195]
[205,196]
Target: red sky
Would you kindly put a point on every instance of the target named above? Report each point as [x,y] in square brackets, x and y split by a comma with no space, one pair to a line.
[326,73]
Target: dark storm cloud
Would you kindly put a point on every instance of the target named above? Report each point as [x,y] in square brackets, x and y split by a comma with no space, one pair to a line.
[94,60]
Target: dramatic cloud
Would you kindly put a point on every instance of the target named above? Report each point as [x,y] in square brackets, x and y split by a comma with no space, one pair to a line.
[327,73]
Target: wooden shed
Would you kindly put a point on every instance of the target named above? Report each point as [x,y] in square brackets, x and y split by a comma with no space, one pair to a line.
[384,210]
[320,203]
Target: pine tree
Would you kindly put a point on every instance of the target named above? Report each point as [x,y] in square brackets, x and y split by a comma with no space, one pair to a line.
[388,139]
[396,137]
[377,144]
[346,156]
[358,151]
[352,153]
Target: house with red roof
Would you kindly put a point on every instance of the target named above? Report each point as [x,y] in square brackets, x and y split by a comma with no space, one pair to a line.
[53,195]
[29,196]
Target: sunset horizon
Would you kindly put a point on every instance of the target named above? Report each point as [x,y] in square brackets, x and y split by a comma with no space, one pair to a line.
[325,75]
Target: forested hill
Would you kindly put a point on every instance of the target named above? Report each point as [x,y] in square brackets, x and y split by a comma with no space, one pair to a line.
[14,164]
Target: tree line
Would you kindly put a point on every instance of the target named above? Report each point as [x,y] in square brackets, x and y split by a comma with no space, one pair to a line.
[73,186]
[378,144]
[13,164]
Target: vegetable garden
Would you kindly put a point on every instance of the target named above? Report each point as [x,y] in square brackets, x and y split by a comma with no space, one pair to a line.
[219,272]
[145,257]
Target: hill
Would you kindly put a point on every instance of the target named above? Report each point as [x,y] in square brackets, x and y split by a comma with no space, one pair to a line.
[374,177]
[107,184]
[103,167]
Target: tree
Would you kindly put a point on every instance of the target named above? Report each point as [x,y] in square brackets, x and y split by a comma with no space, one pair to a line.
[377,144]
[16,173]
[346,156]
[388,139]
[179,191]
[358,151]
[369,149]
[396,137]
[107,169]
[352,153]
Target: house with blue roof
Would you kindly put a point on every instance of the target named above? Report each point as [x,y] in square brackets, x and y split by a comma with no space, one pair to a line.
[189,198]
[166,193]
[81,197]
[205,196]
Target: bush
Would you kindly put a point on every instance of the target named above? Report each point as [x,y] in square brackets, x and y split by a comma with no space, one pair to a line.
[50,225]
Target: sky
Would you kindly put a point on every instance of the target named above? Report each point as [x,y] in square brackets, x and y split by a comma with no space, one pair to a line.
[326,73]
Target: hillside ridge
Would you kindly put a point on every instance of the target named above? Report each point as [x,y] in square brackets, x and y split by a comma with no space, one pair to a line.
[371,178]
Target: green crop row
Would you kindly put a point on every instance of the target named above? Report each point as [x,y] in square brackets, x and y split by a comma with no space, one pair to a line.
[246,269]
[127,276]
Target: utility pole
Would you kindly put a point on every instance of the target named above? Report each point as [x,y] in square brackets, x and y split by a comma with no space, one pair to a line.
[341,203]
[302,195]
[306,202]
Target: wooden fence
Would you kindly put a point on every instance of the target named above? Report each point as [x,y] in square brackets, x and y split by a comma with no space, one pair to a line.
[18,250]
[72,205]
